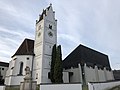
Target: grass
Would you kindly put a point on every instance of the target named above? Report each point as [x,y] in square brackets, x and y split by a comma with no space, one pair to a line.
[84,87]
[12,88]
[115,88]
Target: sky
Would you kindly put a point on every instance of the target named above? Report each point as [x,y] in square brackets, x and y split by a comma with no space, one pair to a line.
[93,23]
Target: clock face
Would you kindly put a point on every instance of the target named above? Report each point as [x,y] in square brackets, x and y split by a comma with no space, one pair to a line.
[50,34]
[39,34]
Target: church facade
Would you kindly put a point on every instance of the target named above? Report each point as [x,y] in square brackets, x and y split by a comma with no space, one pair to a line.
[82,65]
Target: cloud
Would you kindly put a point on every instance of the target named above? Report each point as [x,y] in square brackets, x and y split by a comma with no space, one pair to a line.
[95,24]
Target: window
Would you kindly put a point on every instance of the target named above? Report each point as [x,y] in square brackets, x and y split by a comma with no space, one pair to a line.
[14,58]
[2,68]
[12,67]
[70,76]
[50,26]
[48,75]
[27,58]
[36,75]
[50,63]
[21,68]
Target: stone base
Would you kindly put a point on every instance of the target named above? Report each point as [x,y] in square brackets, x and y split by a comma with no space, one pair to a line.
[28,85]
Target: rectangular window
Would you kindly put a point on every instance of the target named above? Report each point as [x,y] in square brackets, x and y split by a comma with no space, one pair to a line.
[36,75]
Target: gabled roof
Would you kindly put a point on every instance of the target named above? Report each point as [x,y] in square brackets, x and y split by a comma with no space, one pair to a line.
[4,64]
[26,48]
[83,54]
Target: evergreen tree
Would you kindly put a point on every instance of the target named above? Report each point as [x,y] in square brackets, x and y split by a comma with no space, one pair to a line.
[58,66]
[1,80]
[53,58]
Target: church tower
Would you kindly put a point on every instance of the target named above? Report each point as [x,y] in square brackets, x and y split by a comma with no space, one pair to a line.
[45,38]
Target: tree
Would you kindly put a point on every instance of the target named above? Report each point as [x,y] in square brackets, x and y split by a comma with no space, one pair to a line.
[53,58]
[1,80]
[58,66]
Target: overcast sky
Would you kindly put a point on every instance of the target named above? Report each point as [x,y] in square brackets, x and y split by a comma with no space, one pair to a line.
[93,23]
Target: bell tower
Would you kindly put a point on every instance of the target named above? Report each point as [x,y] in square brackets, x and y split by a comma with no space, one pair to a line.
[45,38]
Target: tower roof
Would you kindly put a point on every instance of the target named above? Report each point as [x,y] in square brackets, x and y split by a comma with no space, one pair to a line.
[26,48]
[83,54]
[44,13]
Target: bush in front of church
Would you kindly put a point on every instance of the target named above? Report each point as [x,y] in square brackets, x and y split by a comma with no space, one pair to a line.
[56,65]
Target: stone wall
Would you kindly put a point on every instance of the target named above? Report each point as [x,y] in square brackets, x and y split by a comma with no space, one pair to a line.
[103,85]
[61,86]
[2,87]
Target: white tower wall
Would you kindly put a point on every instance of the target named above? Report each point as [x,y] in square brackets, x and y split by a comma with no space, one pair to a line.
[45,38]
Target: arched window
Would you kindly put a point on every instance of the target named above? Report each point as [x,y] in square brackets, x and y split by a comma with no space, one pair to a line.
[21,68]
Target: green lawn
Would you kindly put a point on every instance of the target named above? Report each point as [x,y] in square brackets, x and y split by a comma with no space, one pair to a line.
[115,88]
[85,87]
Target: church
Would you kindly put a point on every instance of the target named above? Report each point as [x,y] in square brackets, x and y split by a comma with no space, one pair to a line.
[82,65]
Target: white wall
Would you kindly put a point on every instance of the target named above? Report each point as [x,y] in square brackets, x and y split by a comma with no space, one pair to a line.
[90,74]
[61,87]
[110,75]
[3,72]
[97,75]
[2,87]
[101,75]
[76,75]
[19,59]
[9,71]
[12,76]
[66,77]
[102,86]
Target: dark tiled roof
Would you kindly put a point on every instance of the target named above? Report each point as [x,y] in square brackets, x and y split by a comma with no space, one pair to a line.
[83,54]
[26,48]
[5,64]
